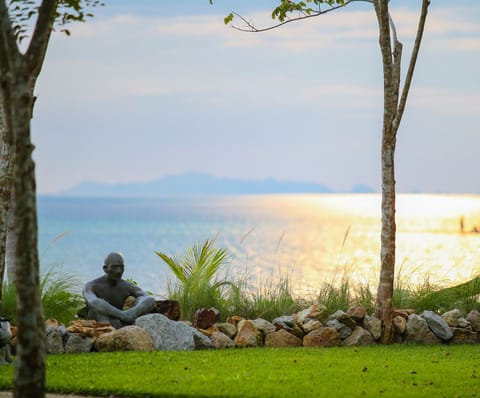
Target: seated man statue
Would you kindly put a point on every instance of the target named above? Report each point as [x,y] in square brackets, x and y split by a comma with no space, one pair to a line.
[105,296]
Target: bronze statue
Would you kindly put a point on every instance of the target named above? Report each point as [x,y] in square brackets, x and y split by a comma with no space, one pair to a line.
[105,296]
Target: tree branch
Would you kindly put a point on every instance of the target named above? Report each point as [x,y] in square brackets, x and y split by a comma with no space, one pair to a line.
[413,60]
[250,27]
[8,45]
[37,49]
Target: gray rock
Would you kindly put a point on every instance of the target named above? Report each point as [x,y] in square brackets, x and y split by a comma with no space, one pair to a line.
[344,318]
[474,318]
[201,341]
[54,341]
[452,317]
[437,325]
[373,325]
[227,329]
[464,336]
[288,323]
[310,325]
[167,335]
[419,332]
[75,343]
[221,340]
[343,330]
[359,336]
[264,326]
[400,324]
[315,311]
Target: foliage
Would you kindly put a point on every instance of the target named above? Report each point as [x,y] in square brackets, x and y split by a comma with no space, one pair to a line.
[67,11]
[59,293]
[391,371]
[198,281]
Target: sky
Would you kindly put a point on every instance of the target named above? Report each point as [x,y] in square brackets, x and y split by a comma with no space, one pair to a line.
[153,88]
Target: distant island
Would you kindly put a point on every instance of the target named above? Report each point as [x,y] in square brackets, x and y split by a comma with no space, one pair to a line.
[201,184]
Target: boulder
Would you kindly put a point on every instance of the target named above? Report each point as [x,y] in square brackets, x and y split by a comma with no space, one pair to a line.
[310,325]
[343,330]
[344,318]
[248,335]
[281,338]
[54,341]
[74,343]
[359,336]
[288,323]
[205,318]
[437,325]
[474,318]
[373,325]
[264,326]
[464,336]
[167,335]
[400,324]
[452,317]
[419,332]
[169,308]
[201,341]
[315,311]
[323,337]
[357,313]
[227,328]
[128,338]
[221,340]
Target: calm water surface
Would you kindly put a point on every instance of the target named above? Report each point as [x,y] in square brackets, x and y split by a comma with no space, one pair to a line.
[313,237]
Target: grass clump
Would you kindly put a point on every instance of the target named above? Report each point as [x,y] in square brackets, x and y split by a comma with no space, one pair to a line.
[389,371]
[198,282]
[59,293]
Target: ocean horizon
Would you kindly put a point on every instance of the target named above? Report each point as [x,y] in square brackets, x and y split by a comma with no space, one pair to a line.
[315,238]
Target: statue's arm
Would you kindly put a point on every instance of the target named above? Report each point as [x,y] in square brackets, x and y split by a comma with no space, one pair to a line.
[100,305]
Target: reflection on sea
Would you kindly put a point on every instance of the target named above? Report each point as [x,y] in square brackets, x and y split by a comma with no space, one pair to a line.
[313,237]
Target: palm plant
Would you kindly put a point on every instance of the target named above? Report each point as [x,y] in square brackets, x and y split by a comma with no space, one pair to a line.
[198,282]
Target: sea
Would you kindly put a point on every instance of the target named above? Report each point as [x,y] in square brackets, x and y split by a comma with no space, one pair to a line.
[310,238]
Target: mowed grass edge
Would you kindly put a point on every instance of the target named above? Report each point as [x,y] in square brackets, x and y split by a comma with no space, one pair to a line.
[387,371]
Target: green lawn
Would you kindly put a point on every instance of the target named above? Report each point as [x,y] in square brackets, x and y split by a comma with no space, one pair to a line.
[387,371]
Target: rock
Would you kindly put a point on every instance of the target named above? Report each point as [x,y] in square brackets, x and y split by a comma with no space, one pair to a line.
[343,330]
[310,325]
[323,337]
[205,318]
[373,325]
[208,332]
[400,324]
[437,325]
[221,340]
[167,335]
[474,318]
[201,341]
[315,311]
[89,328]
[464,336]
[344,318]
[419,332]
[452,317]
[359,336]
[404,313]
[128,338]
[54,341]
[463,323]
[288,323]
[264,326]
[169,308]
[234,320]
[248,335]
[227,328]
[75,343]
[357,314]
[282,338]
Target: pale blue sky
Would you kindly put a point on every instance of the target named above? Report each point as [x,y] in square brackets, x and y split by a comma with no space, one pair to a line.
[155,87]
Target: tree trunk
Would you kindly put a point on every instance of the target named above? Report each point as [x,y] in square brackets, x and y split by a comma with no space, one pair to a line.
[29,378]
[11,242]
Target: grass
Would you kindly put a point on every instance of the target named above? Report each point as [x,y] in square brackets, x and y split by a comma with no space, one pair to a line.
[387,371]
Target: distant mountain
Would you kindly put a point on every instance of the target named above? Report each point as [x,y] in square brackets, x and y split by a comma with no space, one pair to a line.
[199,184]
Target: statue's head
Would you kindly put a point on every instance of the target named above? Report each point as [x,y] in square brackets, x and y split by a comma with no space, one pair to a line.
[114,266]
